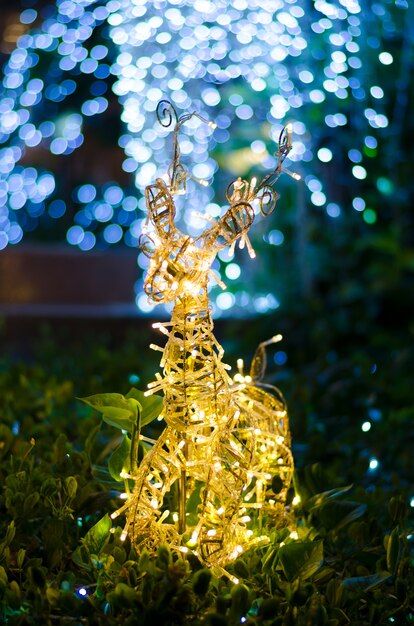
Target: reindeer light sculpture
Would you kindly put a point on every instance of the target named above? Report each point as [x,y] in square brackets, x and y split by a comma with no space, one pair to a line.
[228,436]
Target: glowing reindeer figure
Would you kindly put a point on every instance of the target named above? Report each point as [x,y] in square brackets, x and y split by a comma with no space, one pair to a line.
[231,436]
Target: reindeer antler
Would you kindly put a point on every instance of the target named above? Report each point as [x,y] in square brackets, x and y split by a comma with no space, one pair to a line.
[177,261]
[268,198]
[166,114]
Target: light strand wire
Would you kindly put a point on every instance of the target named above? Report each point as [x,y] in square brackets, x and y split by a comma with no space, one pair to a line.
[227,440]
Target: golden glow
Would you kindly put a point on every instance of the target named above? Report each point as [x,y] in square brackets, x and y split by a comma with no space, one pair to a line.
[229,435]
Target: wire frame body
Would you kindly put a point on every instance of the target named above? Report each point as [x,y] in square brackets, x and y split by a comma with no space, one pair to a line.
[226,440]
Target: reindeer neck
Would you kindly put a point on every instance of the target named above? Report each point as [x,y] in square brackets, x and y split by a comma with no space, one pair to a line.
[192,310]
[196,384]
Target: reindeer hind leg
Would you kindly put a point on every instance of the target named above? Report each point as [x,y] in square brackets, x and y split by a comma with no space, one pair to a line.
[158,471]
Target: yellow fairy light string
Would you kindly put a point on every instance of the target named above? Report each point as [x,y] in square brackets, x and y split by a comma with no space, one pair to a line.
[229,436]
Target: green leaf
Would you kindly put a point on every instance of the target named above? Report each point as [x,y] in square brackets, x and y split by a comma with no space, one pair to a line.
[82,558]
[301,559]
[320,498]
[71,485]
[313,477]
[30,502]
[338,614]
[116,410]
[201,581]
[10,533]
[337,514]
[91,438]
[3,576]
[119,459]
[97,537]
[102,475]
[143,560]
[393,550]
[14,596]
[101,400]
[193,502]
[366,583]
[119,418]
[125,595]
[20,557]
[270,559]
[239,601]
[151,406]
[240,569]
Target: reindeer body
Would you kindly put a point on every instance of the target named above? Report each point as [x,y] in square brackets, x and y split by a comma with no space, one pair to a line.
[228,436]
[195,380]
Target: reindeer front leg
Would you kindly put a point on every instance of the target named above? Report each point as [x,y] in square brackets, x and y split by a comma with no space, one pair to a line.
[158,471]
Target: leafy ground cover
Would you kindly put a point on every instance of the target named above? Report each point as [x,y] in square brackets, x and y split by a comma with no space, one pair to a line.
[344,557]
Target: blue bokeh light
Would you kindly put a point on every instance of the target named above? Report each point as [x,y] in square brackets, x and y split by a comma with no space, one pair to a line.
[75,235]
[57,209]
[113,233]
[193,52]
[86,193]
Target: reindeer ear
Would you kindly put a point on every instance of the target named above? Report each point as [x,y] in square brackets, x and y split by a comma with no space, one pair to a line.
[234,223]
[161,209]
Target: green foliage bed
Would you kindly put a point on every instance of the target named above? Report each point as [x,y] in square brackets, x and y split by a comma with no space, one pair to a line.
[352,561]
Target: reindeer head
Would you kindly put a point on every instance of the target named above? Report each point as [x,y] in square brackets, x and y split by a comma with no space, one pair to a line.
[180,264]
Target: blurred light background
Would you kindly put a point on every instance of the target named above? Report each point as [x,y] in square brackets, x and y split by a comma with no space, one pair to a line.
[80,140]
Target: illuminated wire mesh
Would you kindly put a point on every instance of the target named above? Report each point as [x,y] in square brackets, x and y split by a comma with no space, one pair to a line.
[227,437]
